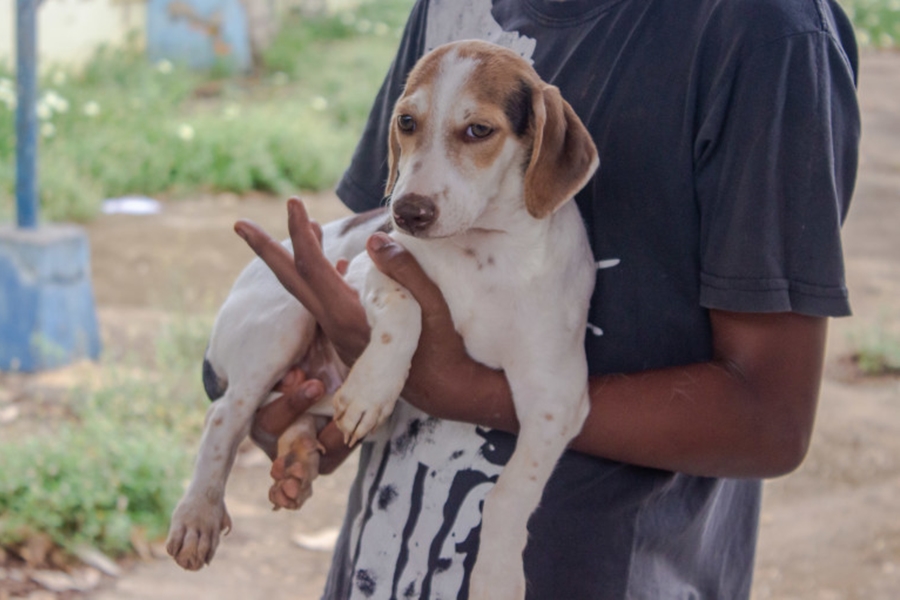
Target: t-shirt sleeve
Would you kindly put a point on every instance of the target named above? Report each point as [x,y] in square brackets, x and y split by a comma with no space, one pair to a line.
[775,157]
[362,186]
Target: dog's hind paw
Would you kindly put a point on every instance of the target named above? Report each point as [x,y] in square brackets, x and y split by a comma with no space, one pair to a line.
[194,532]
[294,473]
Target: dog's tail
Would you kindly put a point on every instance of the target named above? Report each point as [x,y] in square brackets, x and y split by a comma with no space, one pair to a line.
[214,385]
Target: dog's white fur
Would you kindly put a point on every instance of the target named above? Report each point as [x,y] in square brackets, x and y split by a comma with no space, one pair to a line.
[484,158]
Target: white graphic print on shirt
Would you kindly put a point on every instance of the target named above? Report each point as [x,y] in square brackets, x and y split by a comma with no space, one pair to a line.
[416,535]
[451,20]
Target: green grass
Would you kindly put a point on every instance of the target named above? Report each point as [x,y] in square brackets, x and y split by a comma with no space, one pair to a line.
[114,470]
[876,350]
[124,126]
[877,22]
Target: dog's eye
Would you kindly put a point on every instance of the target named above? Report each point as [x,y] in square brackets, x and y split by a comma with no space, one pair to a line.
[406,123]
[479,131]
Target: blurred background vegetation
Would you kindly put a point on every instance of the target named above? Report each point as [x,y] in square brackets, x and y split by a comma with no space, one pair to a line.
[108,473]
[124,126]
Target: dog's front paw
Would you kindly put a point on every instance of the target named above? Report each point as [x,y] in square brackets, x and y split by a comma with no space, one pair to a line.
[357,415]
[294,473]
[497,578]
[194,532]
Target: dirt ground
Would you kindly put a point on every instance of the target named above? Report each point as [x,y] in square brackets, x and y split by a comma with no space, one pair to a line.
[830,531]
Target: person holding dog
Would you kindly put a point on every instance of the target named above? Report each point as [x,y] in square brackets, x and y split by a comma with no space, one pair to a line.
[728,135]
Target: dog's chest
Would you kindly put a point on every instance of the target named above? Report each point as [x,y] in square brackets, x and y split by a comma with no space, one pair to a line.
[487,299]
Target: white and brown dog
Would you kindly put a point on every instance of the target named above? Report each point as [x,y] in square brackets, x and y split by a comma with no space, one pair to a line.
[484,160]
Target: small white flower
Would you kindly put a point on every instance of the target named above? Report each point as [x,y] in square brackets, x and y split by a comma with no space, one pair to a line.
[185,132]
[279,78]
[7,96]
[91,109]
[381,29]
[48,130]
[231,112]
[43,110]
[164,66]
[59,78]
[319,103]
[56,102]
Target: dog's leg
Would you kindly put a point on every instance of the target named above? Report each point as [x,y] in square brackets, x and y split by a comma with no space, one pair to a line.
[370,391]
[549,418]
[201,515]
[297,464]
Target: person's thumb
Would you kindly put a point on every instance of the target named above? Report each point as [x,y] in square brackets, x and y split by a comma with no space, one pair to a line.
[399,264]
[297,397]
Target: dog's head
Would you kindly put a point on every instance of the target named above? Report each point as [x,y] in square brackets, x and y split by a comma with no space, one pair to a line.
[476,137]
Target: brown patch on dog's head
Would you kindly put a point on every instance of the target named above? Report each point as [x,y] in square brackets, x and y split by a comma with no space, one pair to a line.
[561,155]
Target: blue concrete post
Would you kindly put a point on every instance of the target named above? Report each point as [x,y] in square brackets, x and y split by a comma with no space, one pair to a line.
[47,315]
[26,117]
[199,33]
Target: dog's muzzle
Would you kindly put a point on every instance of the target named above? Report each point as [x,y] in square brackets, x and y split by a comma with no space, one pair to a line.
[414,213]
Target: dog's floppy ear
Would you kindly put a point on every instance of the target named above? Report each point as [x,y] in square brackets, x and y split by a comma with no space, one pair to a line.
[393,156]
[563,156]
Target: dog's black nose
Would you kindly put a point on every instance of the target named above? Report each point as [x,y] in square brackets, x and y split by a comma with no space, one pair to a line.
[414,213]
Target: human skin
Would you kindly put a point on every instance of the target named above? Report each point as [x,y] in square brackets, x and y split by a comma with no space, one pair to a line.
[747,412]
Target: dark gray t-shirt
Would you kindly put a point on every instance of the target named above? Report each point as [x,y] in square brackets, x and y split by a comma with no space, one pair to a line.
[728,134]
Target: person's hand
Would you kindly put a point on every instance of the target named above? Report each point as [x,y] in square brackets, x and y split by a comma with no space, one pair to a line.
[299,394]
[313,280]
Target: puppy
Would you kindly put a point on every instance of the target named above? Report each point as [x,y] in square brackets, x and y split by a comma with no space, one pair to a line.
[484,159]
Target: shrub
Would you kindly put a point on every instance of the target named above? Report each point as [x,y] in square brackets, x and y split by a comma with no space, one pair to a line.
[124,126]
[877,350]
[877,22]
[117,466]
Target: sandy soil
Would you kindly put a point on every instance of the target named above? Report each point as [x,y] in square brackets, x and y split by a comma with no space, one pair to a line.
[830,531]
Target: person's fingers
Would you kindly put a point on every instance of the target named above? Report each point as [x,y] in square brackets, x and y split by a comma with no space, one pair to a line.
[317,230]
[276,416]
[399,264]
[306,238]
[292,380]
[335,451]
[280,261]
[337,307]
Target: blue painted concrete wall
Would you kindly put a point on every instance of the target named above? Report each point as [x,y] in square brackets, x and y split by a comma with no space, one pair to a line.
[198,32]
[47,316]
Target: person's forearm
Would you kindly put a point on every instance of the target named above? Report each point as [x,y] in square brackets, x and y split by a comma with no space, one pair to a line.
[699,419]
[468,392]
